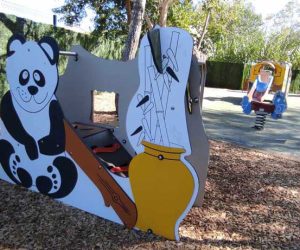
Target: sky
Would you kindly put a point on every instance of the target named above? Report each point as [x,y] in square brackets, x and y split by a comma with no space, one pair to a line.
[41,10]
[268,7]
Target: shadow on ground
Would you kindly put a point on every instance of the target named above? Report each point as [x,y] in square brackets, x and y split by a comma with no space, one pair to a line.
[233,100]
[224,120]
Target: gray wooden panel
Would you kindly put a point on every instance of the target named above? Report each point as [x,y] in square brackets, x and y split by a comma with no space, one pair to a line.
[93,73]
[198,139]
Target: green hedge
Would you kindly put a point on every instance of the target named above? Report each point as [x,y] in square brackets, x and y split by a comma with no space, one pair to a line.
[295,84]
[232,75]
[224,75]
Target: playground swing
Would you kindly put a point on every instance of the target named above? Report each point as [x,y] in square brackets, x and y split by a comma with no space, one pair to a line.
[147,171]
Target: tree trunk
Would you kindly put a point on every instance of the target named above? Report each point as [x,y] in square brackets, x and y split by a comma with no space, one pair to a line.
[163,12]
[128,10]
[135,28]
[16,27]
[204,30]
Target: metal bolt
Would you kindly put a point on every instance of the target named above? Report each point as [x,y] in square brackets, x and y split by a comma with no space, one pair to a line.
[160,157]
[196,100]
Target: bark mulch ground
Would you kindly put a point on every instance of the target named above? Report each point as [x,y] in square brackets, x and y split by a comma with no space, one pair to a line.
[252,201]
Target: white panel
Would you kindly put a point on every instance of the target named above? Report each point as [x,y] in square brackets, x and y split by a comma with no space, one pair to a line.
[162,118]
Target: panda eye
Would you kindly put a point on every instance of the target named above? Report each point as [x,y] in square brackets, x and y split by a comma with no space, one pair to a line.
[24,77]
[39,78]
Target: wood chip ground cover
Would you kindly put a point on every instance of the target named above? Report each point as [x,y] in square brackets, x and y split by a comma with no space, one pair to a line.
[252,201]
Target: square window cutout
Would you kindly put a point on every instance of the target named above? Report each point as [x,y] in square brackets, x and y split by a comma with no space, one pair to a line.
[105,108]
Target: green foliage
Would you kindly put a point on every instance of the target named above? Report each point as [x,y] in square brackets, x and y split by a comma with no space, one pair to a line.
[109,49]
[283,42]
[246,73]
[183,15]
[295,84]
[99,46]
[110,15]
[235,31]
[283,45]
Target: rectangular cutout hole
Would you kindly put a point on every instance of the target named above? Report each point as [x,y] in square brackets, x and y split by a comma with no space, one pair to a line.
[105,108]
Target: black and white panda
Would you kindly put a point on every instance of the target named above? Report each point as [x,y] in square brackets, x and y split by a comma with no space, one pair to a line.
[32,145]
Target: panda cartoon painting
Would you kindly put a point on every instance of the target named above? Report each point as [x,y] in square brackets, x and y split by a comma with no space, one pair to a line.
[32,136]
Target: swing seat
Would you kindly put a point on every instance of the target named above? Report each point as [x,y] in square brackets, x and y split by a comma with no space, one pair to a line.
[255,99]
[262,106]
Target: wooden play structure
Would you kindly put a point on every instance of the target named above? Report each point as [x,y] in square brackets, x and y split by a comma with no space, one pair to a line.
[267,78]
[147,169]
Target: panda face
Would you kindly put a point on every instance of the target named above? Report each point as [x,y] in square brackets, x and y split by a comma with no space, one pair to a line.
[32,73]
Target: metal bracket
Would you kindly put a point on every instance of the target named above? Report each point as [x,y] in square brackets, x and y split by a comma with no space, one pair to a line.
[69,53]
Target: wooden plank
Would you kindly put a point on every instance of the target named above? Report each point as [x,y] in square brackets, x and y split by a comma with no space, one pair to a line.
[112,193]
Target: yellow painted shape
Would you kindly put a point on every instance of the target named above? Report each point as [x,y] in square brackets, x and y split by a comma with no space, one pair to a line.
[162,189]
[278,82]
[279,76]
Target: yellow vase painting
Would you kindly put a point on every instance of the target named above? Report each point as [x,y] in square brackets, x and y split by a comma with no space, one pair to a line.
[162,187]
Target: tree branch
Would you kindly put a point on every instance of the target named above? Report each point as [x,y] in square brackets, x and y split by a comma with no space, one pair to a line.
[135,28]
[148,21]
[204,30]
[9,24]
[128,11]
[163,11]
[14,27]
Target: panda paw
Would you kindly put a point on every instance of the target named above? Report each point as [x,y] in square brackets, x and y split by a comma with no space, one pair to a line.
[48,183]
[19,172]
[12,165]
[60,179]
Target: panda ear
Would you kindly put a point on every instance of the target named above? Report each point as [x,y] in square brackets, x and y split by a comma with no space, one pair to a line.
[50,48]
[14,43]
